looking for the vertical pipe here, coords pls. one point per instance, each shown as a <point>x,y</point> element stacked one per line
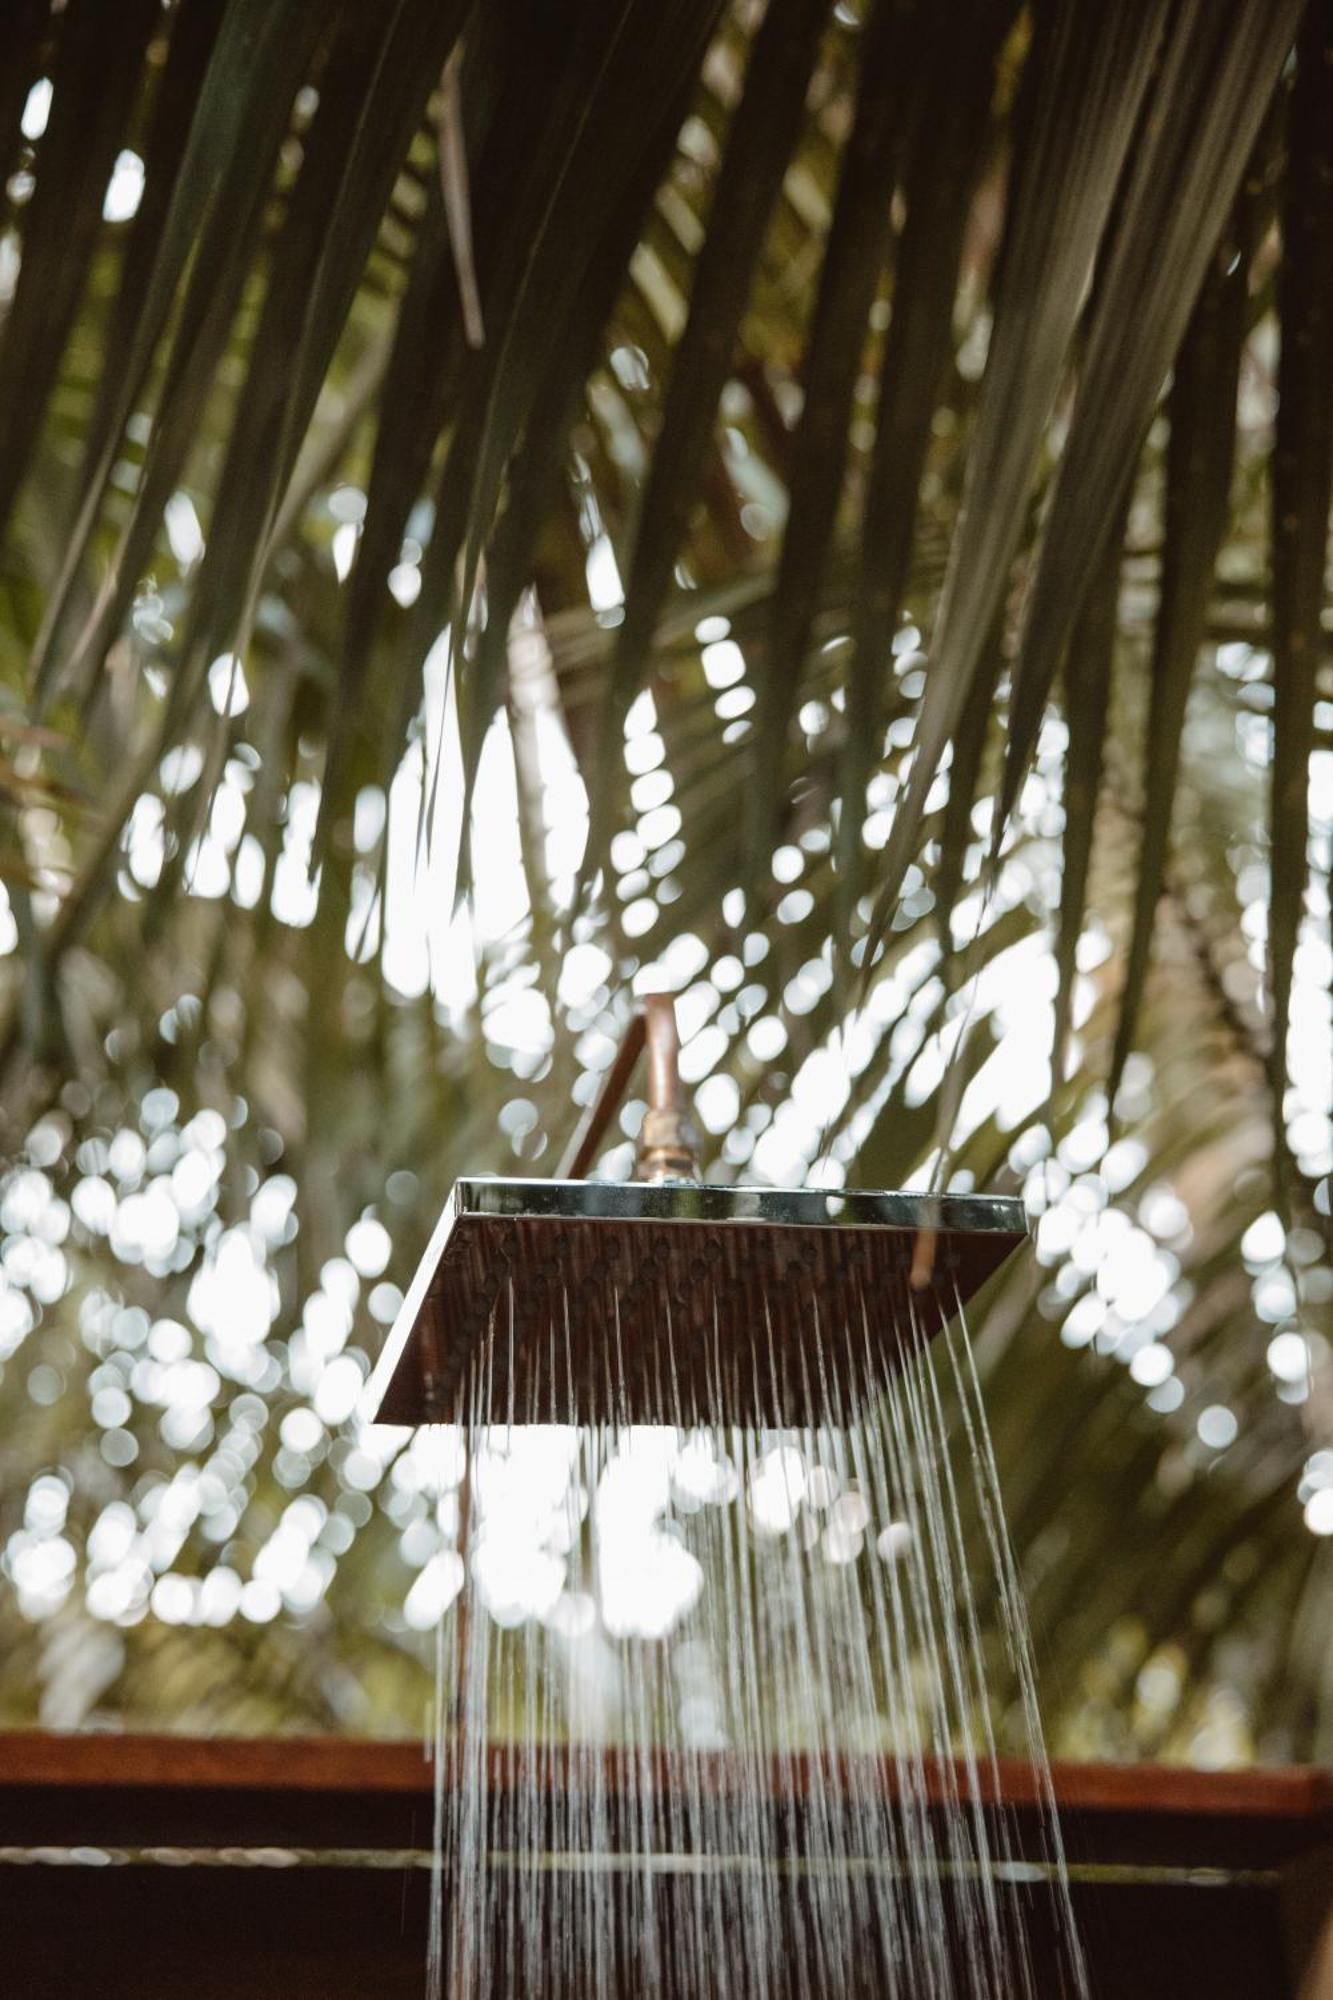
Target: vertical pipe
<point>666,1139</point>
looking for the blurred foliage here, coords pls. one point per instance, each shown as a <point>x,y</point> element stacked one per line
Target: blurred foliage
<point>410,409</point>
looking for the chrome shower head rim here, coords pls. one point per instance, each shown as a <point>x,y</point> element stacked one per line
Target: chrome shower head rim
<point>495,1230</point>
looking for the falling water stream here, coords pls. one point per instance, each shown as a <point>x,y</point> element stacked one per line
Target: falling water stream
<point>714,1707</point>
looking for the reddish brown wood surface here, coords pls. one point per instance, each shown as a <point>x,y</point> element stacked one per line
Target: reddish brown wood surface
<point>335,1764</point>
<point>331,1930</point>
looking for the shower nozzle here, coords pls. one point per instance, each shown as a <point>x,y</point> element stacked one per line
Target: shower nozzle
<point>586,1301</point>
<point>668,1301</point>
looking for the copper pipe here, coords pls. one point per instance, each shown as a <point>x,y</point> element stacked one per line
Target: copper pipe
<point>666,1149</point>
<point>666,1138</point>
<point>664,1088</point>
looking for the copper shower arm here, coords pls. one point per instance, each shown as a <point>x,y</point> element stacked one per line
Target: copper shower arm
<point>666,1140</point>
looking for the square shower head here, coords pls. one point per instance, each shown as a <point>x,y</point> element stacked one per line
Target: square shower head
<point>589,1301</point>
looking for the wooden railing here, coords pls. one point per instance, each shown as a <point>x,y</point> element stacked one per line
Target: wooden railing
<point>1186,1881</point>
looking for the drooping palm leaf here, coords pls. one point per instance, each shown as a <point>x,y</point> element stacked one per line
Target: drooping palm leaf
<point>26,26</point>
<point>1084,86</point>
<point>623,92</point>
<point>1201,411</point>
<point>1218,74</point>
<point>1088,669</point>
<point>189,51</point>
<point>895,48</point>
<point>283,314</point>
<point>216,206</point>
<point>542,456</point>
<point>938,190</point>
<point>379,75</point>
<point>1302,482</point>
<point>762,135</point>
<point>94,82</point>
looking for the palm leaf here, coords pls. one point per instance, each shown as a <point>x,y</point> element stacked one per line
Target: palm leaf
<point>760,140</point>
<point>189,51</point>
<point>1087,673</point>
<point>1219,69</point>
<point>1083,87</point>
<point>1302,487</point>
<point>287,296</point>
<point>93,88</point>
<point>969,749</point>
<point>1202,414</point>
<point>542,456</point>
<point>858,240</point>
<point>506,78</point>
<point>26,27</point>
<point>938,190</point>
<point>635,58</point>
<point>241,118</point>
<point>352,157</point>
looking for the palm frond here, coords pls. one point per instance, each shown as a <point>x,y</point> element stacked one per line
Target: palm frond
<point>281,165</point>
<point>1302,485</point>
<point>872,442</point>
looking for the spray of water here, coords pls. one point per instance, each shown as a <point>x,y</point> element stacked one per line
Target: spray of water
<point>716,1710</point>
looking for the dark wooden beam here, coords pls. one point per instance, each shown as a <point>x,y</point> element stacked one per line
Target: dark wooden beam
<point>327,1792</point>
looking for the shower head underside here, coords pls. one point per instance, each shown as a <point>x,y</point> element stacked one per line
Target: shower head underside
<point>596,1302</point>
